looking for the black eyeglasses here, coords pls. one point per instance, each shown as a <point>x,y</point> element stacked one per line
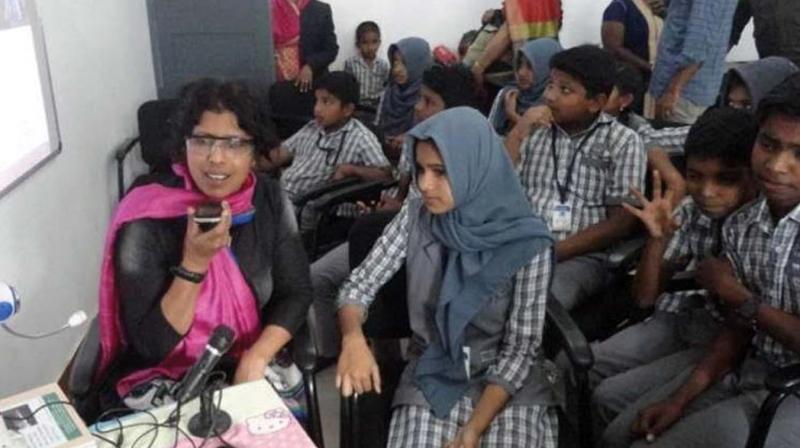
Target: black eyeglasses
<point>332,151</point>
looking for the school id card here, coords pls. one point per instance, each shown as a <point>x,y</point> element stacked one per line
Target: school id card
<point>561,220</point>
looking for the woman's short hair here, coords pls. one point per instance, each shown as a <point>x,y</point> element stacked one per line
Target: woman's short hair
<point>252,113</point>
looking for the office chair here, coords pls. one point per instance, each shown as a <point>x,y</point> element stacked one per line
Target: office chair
<point>781,384</point>
<point>81,382</point>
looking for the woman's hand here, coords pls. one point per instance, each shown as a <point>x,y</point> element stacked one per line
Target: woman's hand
<point>305,79</point>
<point>510,103</point>
<point>465,438</point>
<point>200,247</point>
<point>357,371</point>
<point>251,368</point>
<point>656,215</point>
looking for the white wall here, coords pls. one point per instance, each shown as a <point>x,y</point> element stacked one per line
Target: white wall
<point>444,21</point>
<point>52,225</point>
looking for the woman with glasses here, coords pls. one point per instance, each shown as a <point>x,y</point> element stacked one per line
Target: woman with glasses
<point>167,282</point>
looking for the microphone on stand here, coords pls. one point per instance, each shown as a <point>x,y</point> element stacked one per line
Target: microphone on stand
<point>209,420</point>
<point>194,381</point>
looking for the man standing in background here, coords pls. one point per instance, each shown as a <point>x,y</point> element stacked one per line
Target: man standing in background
<point>777,27</point>
<point>691,58</point>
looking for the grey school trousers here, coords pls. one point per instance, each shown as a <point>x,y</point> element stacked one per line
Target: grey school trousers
<point>579,278</point>
<point>641,358</point>
<point>720,417</point>
<point>327,275</point>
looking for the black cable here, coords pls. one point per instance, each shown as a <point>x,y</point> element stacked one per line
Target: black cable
<point>37,410</point>
<point>219,405</point>
<point>121,428</point>
<point>172,420</point>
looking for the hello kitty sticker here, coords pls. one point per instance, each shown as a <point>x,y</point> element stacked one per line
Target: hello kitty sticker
<point>275,428</point>
<point>268,423</point>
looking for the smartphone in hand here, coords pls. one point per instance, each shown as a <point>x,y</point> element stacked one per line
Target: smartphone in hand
<point>208,215</point>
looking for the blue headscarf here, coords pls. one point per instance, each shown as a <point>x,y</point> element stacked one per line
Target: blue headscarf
<point>397,109</point>
<point>538,53</point>
<point>489,235</point>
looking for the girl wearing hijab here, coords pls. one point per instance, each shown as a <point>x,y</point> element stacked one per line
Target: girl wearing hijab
<point>409,58</point>
<point>532,73</point>
<point>745,85</point>
<point>479,265</point>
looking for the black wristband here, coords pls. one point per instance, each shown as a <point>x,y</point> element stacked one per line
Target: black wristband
<point>185,274</point>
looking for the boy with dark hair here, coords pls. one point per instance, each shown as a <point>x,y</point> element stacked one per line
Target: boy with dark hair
<point>332,146</point>
<point>371,71</point>
<point>648,354</point>
<point>578,171</point>
<point>714,403</point>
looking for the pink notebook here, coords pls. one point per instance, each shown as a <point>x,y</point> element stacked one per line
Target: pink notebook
<point>275,428</point>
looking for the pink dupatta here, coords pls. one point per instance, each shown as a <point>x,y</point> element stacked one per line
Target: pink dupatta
<point>224,298</point>
<point>286,37</point>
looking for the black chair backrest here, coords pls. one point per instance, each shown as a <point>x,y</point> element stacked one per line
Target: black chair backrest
<point>388,314</point>
<point>154,128</point>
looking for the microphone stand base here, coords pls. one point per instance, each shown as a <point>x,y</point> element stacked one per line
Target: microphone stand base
<point>204,425</point>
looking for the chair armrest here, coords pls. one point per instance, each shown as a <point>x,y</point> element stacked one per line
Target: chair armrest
<point>683,281</point>
<point>325,189</point>
<point>304,350</point>
<point>85,362</point>
<point>125,149</point>
<point>119,155</point>
<point>574,343</point>
<point>625,253</point>
<point>786,379</point>
<point>351,193</point>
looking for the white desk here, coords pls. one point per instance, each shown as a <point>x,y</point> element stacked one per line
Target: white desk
<point>260,420</point>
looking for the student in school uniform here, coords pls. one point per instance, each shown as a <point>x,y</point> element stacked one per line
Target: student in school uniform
<point>332,146</point>
<point>650,353</point>
<point>531,74</point>
<point>371,71</point>
<point>578,171</point>
<point>714,403</point>
<point>409,58</point>
<point>478,262</point>
<point>745,85</point>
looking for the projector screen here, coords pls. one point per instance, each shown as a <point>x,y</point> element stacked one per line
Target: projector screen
<point>28,126</point>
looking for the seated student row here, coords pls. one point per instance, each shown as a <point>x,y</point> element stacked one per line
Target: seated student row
<point>737,201</point>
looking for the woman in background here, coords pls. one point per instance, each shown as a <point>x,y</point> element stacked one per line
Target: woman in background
<point>304,40</point>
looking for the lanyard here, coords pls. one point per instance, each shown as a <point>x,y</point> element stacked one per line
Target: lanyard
<point>328,151</point>
<point>563,190</point>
